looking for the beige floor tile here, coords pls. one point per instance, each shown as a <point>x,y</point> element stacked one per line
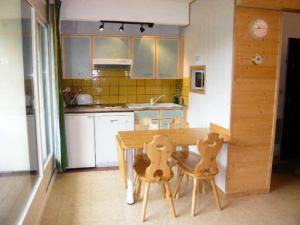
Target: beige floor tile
<point>98,198</point>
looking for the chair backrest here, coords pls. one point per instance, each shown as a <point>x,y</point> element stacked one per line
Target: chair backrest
<point>208,149</point>
<point>159,152</point>
<point>178,122</point>
<point>147,124</point>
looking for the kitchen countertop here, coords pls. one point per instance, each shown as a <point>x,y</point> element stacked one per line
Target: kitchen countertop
<point>111,108</point>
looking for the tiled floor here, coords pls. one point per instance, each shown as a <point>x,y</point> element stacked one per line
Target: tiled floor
<point>97,197</point>
<point>14,192</point>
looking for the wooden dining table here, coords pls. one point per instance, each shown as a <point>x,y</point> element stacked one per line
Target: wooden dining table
<point>127,141</point>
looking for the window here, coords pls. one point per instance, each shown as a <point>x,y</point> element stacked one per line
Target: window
<point>45,92</point>
<point>19,166</point>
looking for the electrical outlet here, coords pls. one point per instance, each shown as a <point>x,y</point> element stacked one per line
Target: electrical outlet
<point>197,59</point>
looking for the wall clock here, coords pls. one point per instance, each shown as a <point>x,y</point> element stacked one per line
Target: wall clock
<point>259,29</point>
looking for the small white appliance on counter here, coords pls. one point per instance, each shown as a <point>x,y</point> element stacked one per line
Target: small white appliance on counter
<point>84,99</point>
<point>107,125</point>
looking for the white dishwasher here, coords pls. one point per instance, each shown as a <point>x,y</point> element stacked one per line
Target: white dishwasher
<point>107,125</point>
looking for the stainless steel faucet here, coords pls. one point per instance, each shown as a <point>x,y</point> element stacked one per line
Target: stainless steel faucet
<point>154,100</point>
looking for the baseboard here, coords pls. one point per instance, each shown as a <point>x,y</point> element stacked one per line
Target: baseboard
<point>229,195</point>
<point>91,169</point>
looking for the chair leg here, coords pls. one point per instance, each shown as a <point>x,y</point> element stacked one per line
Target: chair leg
<point>138,190</point>
<point>214,187</point>
<point>170,198</point>
<point>177,188</point>
<point>194,196</point>
<point>203,187</point>
<point>163,188</point>
<point>145,201</point>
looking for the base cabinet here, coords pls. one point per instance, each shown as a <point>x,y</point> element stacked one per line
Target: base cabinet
<point>91,138</point>
<point>163,117</point>
<point>80,140</point>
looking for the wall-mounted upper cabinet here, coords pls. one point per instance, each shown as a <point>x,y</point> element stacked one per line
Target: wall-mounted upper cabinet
<point>76,56</point>
<point>167,55</point>
<point>111,47</point>
<point>144,58</point>
<point>153,57</point>
<point>156,58</point>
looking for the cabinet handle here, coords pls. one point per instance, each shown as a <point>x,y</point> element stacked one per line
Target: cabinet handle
<point>113,121</point>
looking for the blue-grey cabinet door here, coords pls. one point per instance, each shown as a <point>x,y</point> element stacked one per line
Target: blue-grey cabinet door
<point>154,115</point>
<point>111,47</point>
<point>167,117</point>
<point>167,58</point>
<point>143,57</point>
<point>76,56</point>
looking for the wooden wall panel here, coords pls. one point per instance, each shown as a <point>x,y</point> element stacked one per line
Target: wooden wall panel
<point>271,4</point>
<point>254,98</point>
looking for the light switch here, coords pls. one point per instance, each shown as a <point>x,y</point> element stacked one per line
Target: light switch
<point>197,59</point>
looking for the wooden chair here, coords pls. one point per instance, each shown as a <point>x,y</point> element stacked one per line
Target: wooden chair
<point>145,124</point>
<point>159,152</point>
<point>178,122</point>
<point>181,151</point>
<point>202,168</point>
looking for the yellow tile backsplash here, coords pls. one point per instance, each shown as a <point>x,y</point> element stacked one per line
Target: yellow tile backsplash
<point>186,90</point>
<point>112,88</point>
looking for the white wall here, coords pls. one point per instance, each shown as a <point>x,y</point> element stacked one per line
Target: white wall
<point>210,36</point>
<point>157,11</point>
<point>14,153</point>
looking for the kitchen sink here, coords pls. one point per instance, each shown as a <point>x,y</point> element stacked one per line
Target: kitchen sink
<point>153,106</point>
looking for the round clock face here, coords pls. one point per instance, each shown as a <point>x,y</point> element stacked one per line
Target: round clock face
<point>259,28</point>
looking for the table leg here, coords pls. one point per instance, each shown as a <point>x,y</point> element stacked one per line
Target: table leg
<point>130,176</point>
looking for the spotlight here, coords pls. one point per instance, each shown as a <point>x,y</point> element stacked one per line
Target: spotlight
<point>121,29</point>
<point>142,29</point>
<point>101,27</point>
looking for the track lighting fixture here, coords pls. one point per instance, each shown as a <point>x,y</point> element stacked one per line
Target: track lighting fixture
<point>142,29</point>
<point>121,29</point>
<point>101,27</point>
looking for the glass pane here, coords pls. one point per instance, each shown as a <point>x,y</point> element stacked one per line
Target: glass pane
<point>112,48</point>
<point>46,93</point>
<point>144,57</point>
<point>18,139</point>
<point>167,58</point>
<point>77,61</point>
